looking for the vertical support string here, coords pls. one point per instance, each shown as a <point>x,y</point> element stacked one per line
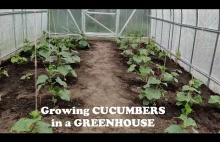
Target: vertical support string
<point>35,59</point>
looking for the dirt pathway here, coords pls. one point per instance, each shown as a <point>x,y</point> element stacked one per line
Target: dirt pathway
<point>100,84</point>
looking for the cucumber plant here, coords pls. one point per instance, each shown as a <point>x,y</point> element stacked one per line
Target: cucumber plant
<point>152,47</point>
<point>52,80</point>
<point>189,96</point>
<point>187,122</point>
<point>214,99</point>
<point>17,59</point>
<point>26,76</point>
<point>153,90</point>
<point>32,125</point>
<point>141,60</point>
<point>61,55</point>
<point>178,55</point>
<point>82,41</point>
<point>3,73</point>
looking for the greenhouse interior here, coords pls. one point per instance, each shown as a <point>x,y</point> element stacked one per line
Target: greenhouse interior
<point>109,71</point>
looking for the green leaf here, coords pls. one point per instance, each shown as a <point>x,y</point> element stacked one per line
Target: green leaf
<point>134,45</point>
<point>165,84</point>
<point>43,127</point>
<point>144,71</point>
<point>167,77</point>
<point>55,90</point>
<point>65,94</point>
<point>14,60</point>
<point>5,73</point>
<point>23,77</point>
<point>137,58</point>
<point>145,59</point>
<point>41,79</point>
<point>152,94</point>
<point>73,73</point>
<point>23,125</point>
<point>142,95</point>
<point>44,53</point>
<point>214,99</point>
<point>175,129</point>
<point>35,114</point>
<point>76,59</point>
<point>83,43</point>
<point>65,54</point>
<point>39,87</point>
<point>131,68</point>
<point>194,130</point>
<point>29,74</point>
<point>143,52</point>
<point>186,88</point>
<point>178,103</point>
<point>174,74</point>
<point>153,80</point>
<point>58,80</point>
<point>196,83</point>
<point>145,102</point>
<point>176,80</point>
<point>162,54</point>
<point>129,62</point>
<point>187,121</point>
<point>197,99</point>
<point>187,110</point>
<point>64,70</point>
<point>127,53</point>
<point>177,70</point>
<point>181,96</point>
<point>27,48</point>
<point>51,59</point>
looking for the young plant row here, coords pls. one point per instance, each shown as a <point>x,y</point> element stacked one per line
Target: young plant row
<point>57,55</point>
<point>139,61</point>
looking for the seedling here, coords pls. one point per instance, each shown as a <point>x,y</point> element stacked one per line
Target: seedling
<point>27,76</point>
<point>178,55</point>
<point>189,96</point>
<point>17,59</point>
<point>152,48</point>
<point>3,73</point>
<point>142,60</point>
<point>186,122</point>
<point>32,125</point>
<point>52,79</point>
<point>162,54</point>
<point>82,41</point>
<point>215,99</point>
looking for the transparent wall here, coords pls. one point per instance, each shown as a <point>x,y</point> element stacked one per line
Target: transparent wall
<point>17,25</point>
<point>196,34</point>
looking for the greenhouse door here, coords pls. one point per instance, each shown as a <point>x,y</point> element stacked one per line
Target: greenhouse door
<point>100,22</point>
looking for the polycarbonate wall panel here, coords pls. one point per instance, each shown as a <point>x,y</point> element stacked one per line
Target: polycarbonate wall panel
<point>165,35</point>
<point>158,31</point>
<point>186,43</point>
<point>153,26</point>
<point>7,40</point>
<point>140,21</point>
<point>17,25</point>
<point>194,32</point>
<point>208,18</point>
<point>175,38</point>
